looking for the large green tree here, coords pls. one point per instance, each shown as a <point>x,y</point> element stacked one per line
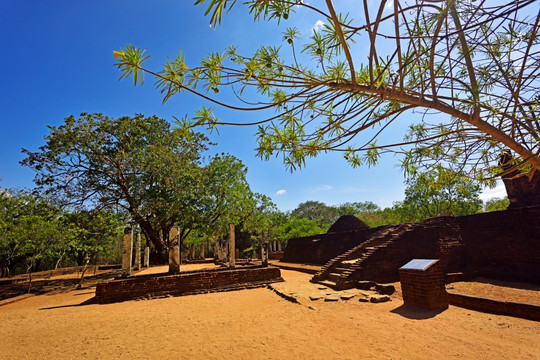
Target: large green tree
<point>141,165</point>
<point>468,68</point>
<point>439,193</point>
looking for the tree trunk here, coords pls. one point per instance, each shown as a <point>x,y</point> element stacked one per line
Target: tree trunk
<point>151,234</point>
<point>87,261</point>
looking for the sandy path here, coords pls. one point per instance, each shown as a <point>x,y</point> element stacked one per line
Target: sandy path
<point>255,324</point>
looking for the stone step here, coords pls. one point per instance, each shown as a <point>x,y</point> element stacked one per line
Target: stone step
<point>342,269</point>
<point>334,277</point>
<point>330,284</point>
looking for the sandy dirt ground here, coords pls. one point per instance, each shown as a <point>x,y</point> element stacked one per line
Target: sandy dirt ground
<point>255,324</point>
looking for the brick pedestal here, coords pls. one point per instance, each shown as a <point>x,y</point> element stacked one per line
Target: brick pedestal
<point>422,284</point>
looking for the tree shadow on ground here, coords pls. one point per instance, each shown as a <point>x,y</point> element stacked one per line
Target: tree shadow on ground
<point>415,312</point>
<point>90,301</point>
<point>53,286</point>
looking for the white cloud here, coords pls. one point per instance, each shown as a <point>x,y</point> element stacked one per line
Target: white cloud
<point>390,4</point>
<point>318,26</point>
<point>281,192</point>
<point>498,191</point>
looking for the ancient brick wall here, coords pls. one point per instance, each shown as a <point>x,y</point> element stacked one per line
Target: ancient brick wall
<point>525,311</point>
<point>502,245</point>
<point>184,283</point>
<point>319,249</point>
<point>278,255</point>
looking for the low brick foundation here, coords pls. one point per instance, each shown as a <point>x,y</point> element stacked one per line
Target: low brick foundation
<point>277,255</point>
<point>525,311</point>
<point>185,283</point>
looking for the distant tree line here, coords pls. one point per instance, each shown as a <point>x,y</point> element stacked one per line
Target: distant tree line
<point>427,195</point>
<point>37,235</point>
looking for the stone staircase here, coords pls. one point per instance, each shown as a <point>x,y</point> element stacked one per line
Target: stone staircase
<point>336,274</point>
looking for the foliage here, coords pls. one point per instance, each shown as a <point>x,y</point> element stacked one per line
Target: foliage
<point>496,204</point>
<point>436,193</point>
<point>316,211</point>
<point>96,232</point>
<point>140,165</point>
<point>470,68</point>
<point>35,235</point>
<point>298,227</point>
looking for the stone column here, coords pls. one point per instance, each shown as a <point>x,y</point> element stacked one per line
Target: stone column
<point>201,252</point>
<point>174,251</point>
<point>264,254</point>
<point>137,265</point>
<point>128,251</point>
<point>231,246</point>
<point>146,262</point>
<point>279,245</point>
<point>224,251</point>
<point>216,252</point>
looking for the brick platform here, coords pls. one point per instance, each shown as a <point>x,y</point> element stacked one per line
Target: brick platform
<point>185,283</point>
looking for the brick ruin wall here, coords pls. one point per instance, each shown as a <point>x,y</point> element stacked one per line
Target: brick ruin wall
<point>503,245</point>
<point>319,249</point>
<point>185,283</point>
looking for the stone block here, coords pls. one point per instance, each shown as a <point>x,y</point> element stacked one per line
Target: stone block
<point>379,298</point>
<point>365,285</point>
<point>385,289</point>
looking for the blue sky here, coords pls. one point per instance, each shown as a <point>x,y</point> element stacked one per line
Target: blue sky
<point>57,61</point>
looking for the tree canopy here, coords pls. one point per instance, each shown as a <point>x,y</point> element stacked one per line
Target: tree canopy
<point>439,193</point>
<point>140,165</point>
<point>469,69</point>
<point>36,235</point>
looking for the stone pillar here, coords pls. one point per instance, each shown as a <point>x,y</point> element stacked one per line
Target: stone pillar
<point>137,264</point>
<point>174,251</point>
<point>279,245</point>
<point>128,251</point>
<point>264,254</point>
<point>201,252</point>
<point>146,262</point>
<point>217,250</point>
<point>231,246</point>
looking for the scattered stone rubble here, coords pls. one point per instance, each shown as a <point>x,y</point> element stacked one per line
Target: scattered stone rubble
<point>306,293</point>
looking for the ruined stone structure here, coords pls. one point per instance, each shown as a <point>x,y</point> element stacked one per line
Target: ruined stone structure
<point>347,223</point>
<point>174,250</point>
<point>146,262</point>
<point>522,189</point>
<point>137,264</point>
<point>127,254</point>
<point>501,245</point>
<point>232,247</point>
<point>186,283</point>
